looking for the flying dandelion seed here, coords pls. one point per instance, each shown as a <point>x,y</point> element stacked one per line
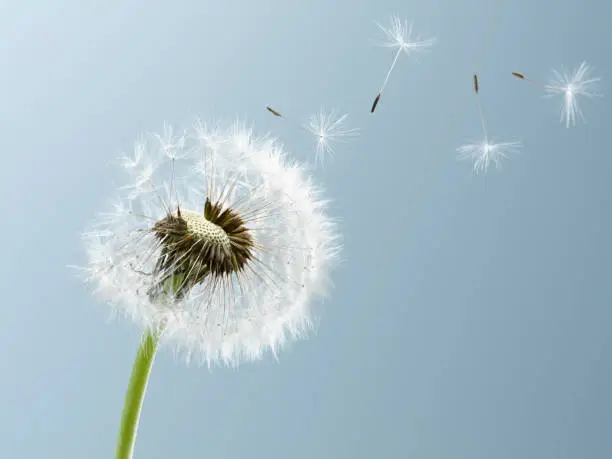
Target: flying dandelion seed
<point>327,128</point>
<point>570,85</point>
<point>274,112</point>
<point>484,153</point>
<point>399,35</point>
<point>225,259</point>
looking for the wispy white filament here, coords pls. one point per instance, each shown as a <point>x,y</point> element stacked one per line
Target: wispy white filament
<point>571,86</point>
<point>486,153</point>
<point>328,129</point>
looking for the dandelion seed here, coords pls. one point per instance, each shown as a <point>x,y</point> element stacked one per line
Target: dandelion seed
<point>278,115</point>
<point>274,112</point>
<point>225,260</point>
<point>399,35</point>
<point>570,85</point>
<point>327,129</point>
<point>375,103</point>
<point>484,153</point>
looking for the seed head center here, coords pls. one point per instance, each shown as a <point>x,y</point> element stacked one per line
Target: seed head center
<point>196,247</point>
<point>205,231</point>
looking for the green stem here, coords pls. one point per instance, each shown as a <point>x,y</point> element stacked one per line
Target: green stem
<point>135,395</point>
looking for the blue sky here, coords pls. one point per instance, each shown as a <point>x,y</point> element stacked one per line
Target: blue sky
<point>471,318</point>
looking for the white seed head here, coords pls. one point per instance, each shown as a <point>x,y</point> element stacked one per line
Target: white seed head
<point>218,240</point>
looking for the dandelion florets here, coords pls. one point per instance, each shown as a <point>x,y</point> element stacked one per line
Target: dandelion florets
<point>222,245</point>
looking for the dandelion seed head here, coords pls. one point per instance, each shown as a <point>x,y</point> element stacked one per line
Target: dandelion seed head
<point>572,85</point>
<point>226,255</point>
<point>485,153</point>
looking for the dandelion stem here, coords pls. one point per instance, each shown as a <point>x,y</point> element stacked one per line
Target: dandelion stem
<point>135,395</point>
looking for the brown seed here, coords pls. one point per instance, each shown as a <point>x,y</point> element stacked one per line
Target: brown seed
<point>518,75</point>
<point>375,103</point>
<point>274,112</point>
<point>476,83</point>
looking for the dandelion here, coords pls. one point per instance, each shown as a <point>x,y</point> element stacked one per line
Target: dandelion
<point>327,129</point>
<point>570,85</point>
<point>484,153</point>
<point>399,35</point>
<point>219,254</point>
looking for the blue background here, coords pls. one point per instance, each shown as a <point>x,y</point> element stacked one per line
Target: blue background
<point>471,318</point>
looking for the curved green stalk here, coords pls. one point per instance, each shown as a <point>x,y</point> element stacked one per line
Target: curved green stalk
<point>135,395</point>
